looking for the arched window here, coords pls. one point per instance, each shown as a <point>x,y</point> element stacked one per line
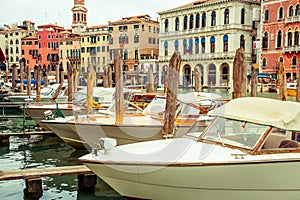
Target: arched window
<point>290,38</point>
<point>203,21</point>
<point>191,21</point>
<point>17,41</point>
<point>297,10</point>
<point>203,45</point>
<point>281,59</point>
<point>74,17</point>
<point>196,45</point>
<point>136,54</point>
<point>166,25</point>
<point>197,25</point>
<point>185,21</point>
<point>213,18</point>
<point>243,16</point>
<point>212,44</point>
<point>177,24</point>
<point>242,41</point>
<point>296,37</point>
<point>265,40</point>
<point>264,62</point>
<point>190,46</point>
<point>225,43</point>
<point>125,54</point>
<point>17,50</point>
<point>226,16</point>
<point>266,18</point>
<point>279,38</point>
<point>291,11</point>
<point>166,48</point>
<point>280,13</point>
<point>136,38</point>
<point>11,42</point>
<point>176,44</point>
<point>185,44</point>
<point>294,61</point>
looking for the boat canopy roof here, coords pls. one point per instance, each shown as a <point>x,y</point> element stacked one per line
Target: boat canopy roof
<point>281,114</point>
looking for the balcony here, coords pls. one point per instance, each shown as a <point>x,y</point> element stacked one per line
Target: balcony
<point>292,19</point>
<point>290,49</point>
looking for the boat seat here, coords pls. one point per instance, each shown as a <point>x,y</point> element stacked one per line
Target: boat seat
<point>289,144</point>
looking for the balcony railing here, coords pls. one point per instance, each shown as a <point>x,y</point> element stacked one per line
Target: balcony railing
<point>289,49</point>
<point>292,19</point>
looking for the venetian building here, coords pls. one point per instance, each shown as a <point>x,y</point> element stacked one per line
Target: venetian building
<point>280,37</point>
<point>69,50</point>
<point>79,16</point>
<point>207,33</point>
<point>13,45</point>
<point>136,39</point>
<point>94,48</point>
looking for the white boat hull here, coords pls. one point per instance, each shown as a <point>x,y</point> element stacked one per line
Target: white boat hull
<point>65,133</point>
<point>124,134</point>
<point>36,112</point>
<point>268,181</point>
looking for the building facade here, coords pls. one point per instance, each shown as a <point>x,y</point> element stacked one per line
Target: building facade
<point>135,39</point>
<point>69,50</point>
<point>207,34</point>
<point>94,48</point>
<point>30,50</point>
<point>49,36</point>
<point>280,37</point>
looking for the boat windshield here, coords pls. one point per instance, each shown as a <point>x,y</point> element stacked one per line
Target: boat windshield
<point>234,133</point>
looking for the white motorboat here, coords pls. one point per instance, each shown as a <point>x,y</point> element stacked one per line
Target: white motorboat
<point>102,98</point>
<point>46,94</point>
<point>247,152</point>
<point>144,126</point>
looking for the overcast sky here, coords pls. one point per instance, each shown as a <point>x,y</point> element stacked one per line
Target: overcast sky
<point>99,11</point>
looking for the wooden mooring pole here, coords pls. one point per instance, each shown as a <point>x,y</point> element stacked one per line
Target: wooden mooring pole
<point>239,74</point>
<point>282,82</point>
<point>118,64</point>
<point>172,92</point>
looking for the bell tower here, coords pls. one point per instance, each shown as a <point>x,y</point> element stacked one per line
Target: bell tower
<point>79,12</point>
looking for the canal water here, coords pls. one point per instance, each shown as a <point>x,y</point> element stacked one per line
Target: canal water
<point>50,151</point>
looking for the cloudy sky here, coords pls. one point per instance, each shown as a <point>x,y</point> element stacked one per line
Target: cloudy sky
<point>99,11</point>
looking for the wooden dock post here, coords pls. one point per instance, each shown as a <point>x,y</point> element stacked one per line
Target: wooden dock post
<point>14,76</point>
<point>4,140</point>
<point>282,82</point>
<point>33,188</point>
<point>253,91</point>
<point>172,92</point>
<point>198,83</point>
<point>86,182</point>
<point>38,84</point>
<point>22,66</point>
<point>45,75</point>
<point>119,97</point>
<point>150,81</point>
<point>70,75</point>
<point>90,87</point>
<point>239,74</point>
<point>28,81</point>
<point>57,73</point>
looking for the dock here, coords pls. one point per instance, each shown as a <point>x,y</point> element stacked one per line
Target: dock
<point>33,173</point>
<point>32,176</point>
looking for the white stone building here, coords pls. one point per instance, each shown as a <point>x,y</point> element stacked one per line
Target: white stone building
<point>207,34</point>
